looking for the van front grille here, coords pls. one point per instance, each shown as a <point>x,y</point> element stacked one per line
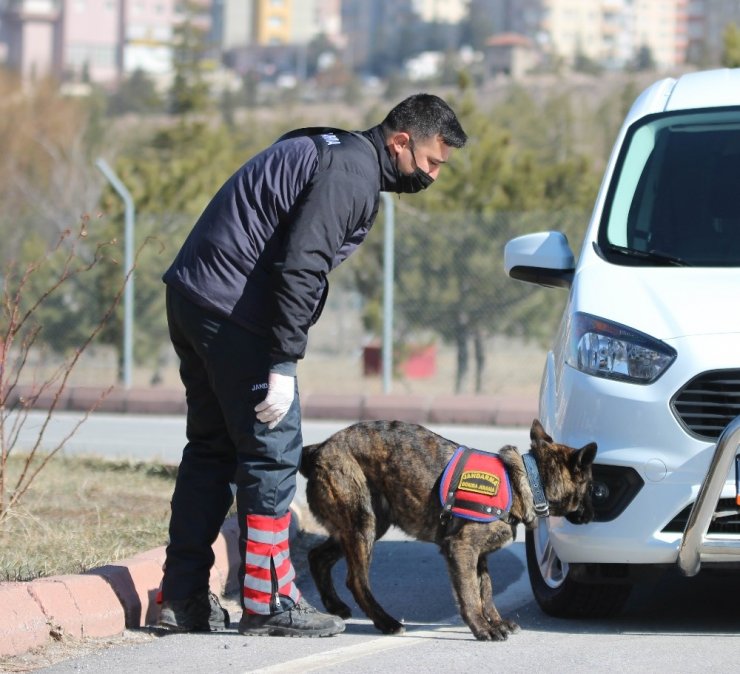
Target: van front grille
<point>709,402</point>
<point>726,519</point>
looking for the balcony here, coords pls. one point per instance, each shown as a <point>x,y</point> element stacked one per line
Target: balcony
<point>22,10</point>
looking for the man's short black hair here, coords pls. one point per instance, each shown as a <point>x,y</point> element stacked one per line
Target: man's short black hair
<point>425,116</point>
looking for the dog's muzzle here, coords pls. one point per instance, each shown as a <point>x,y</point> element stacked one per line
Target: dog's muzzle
<point>584,514</point>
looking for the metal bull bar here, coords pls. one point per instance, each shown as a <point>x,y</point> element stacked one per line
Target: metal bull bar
<point>695,544</point>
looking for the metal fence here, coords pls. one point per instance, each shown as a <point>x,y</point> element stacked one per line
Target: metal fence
<point>459,324</point>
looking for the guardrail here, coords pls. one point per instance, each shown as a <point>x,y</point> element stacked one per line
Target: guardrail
<point>696,544</point>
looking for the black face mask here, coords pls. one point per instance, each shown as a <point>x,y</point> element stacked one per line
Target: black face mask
<point>414,182</point>
<point>417,181</point>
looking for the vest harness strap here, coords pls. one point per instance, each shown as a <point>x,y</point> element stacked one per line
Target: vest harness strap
<point>475,486</point>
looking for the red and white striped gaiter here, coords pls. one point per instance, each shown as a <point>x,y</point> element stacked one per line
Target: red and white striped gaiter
<point>269,572</point>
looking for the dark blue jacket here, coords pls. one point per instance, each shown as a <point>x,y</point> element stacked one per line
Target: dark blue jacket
<point>260,252</point>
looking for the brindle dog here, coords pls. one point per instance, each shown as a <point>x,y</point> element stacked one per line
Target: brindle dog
<point>372,475</point>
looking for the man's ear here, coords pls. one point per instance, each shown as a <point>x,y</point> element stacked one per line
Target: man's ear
<point>399,141</point>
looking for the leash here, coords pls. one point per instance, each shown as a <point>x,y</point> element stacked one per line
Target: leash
<point>541,506</point>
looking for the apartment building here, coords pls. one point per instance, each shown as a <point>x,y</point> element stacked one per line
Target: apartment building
<point>147,28</point>
<point>273,21</point>
<point>271,36</point>
<point>245,23</point>
<point>441,11</point>
<point>87,52</point>
<point>611,32</point>
<point>377,33</point>
<point>103,40</point>
<point>95,40</point>
<point>30,34</point>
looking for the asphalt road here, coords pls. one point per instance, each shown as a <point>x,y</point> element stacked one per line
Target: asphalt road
<point>161,438</point>
<point>676,624</point>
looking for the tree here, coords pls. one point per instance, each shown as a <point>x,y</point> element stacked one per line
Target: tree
<point>189,93</point>
<point>318,49</point>
<point>47,175</point>
<point>447,283</point>
<point>731,46</point>
<point>609,116</point>
<point>136,94</point>
<point>643,60</point>
<point>583,63</point>
<point>26,289</point>
<point>250,87</point>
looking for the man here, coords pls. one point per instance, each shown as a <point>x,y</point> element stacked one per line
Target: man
<point>242,293</point>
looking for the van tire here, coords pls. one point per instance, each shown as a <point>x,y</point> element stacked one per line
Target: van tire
<point>558,594</point>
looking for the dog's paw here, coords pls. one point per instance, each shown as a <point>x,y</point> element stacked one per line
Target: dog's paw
<point>497,631</point>
<point>391,627</point>
<point>512,626</point>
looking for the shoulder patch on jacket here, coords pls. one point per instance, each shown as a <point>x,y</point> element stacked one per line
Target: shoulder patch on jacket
<point>331,139</point>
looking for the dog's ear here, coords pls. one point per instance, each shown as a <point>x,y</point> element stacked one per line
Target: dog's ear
<point>585,456</point>
<point>537,435</point>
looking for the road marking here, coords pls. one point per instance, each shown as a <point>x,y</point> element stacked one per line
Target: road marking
<point>338,656</point>
<point>509,601</point>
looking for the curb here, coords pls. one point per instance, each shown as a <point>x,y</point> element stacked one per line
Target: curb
<point>102,602</point>
<point>420,409</point>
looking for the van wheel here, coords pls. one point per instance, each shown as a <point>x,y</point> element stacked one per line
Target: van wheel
<point>557,593</point>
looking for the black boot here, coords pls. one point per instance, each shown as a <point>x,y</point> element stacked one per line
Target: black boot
<point>201,613</point>
<point>300,620</point>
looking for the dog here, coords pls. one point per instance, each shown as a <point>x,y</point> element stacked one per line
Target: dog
<point>375,474</point>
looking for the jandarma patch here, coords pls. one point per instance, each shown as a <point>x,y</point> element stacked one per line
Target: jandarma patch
<point>480,482</point>
<point>475,485</point>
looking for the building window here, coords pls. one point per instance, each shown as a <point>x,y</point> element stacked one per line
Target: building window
<point>81,55</point>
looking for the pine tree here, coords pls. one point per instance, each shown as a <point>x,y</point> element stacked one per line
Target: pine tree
<point>189,93</point>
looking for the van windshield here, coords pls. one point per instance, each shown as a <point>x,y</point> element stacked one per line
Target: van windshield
<point>675,196</point>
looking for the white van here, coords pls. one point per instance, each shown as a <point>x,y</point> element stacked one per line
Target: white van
<point>646,361</point>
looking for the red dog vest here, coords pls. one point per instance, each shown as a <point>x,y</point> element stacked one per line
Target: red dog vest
<point>475,485</point>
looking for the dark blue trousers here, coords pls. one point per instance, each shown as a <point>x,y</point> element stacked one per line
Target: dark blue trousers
<point>224,369</point>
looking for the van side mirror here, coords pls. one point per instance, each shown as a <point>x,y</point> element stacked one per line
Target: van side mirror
<point>544,258</point>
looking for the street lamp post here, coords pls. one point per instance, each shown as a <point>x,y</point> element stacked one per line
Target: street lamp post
<point>388,262</point>
<point>128,292</point>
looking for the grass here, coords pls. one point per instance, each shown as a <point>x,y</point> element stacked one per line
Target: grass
<point>81,513</point>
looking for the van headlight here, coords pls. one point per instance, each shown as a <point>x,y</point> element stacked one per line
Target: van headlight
<point>613,351</point>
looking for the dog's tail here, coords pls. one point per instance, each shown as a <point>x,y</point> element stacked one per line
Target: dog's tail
<point>308,459</point>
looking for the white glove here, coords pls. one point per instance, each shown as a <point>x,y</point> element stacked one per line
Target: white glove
<point>280,394</point>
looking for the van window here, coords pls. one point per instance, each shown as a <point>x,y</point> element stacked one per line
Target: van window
<point>675,195</point>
